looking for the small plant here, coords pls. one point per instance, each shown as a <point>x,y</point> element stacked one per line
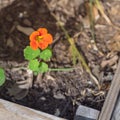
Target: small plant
<point>2,77</point>
<point>38,53</point>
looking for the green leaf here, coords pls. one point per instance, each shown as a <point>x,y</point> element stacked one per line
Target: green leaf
<point>46,54</point>
<point>2,77</point>
<point>33,65</point>
<point>43,67</point>
<point>30,54</point>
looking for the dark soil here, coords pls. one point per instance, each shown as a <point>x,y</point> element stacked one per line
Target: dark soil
<point>58,93</point>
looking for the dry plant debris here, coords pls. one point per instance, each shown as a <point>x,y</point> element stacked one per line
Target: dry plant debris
<point>58,92</point>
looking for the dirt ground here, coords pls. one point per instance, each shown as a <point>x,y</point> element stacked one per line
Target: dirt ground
<point>59,92</point>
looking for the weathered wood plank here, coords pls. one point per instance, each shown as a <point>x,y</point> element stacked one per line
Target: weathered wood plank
<point>116,112</point>
<point>12,111</point>
<point>111,97</point>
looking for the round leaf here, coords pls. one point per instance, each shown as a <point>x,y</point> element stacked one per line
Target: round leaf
<point>30,54</point>
<point>43,67</point>
<point>33,65</point>
<point>2,77</point>
<point>46,54</point>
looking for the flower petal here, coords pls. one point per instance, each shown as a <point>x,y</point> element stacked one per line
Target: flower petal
<point>42,31</point>
<point>43,45</point>
<point>48,38</point>
<point>34,35</point>
<point>33,44</point>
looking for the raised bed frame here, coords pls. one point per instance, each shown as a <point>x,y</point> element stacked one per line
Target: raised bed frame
<point>9,110</point>
<point>12,111</point>
<point>111,99</point>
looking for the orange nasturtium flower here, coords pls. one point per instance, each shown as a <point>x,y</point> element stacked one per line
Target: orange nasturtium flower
<point>40,39</point>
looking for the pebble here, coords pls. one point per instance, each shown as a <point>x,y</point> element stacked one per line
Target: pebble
<point>59,96</point>
<point>43,98</point>
<point>57,112</point>
<point>9,43</point>
<point>26,30</point>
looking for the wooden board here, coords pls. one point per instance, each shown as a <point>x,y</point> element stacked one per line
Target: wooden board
<point>111,98</point>
<point>116,112</point>
<point>12,111</point>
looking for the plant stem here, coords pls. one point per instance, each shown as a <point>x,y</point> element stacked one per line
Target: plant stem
<point>61,69</point>
<point>92,20</point>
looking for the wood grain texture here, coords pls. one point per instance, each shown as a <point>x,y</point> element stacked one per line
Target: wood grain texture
<point>12,111</point>
<point>111,98</point>
<point>116,112</point>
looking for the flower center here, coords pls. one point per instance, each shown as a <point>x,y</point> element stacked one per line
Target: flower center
<point>39,38</point>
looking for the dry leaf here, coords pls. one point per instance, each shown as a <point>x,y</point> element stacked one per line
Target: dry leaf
<point>114,44</point>
<point>109,62</point>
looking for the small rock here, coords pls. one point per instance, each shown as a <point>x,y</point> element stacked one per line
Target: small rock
<point>10,43</point>
<point>20,15</point>
<point>59,96</point>
<point>43,98</point>
<point>57,112</point>
<point>26,30</point>
<point>16,92</point>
